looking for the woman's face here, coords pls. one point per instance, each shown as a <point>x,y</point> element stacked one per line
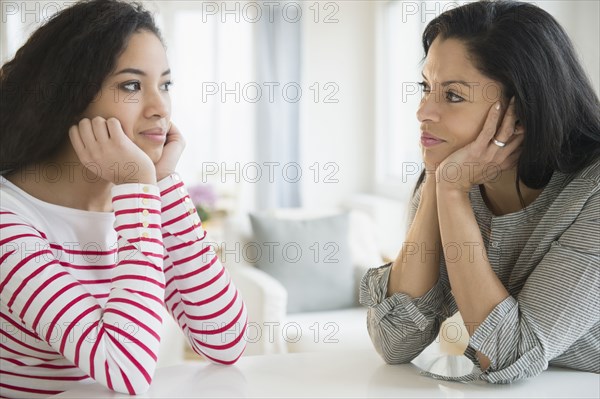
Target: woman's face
<point>456,100</point>
<point>137,94</point>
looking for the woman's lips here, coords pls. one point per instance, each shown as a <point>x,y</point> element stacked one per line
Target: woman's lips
<point>158,135</point>
<point>429,140</point>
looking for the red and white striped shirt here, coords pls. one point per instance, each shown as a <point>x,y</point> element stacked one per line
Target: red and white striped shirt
<point>82,292</point>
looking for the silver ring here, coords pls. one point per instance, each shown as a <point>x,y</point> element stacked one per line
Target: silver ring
<point>499,143</point>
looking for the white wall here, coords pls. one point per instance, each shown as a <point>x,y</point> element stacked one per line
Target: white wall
<point>581,21</point>
<point>339,133</point>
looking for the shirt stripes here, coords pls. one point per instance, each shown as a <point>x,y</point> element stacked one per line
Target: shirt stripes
<point>82,292</point>
<point>548,258</point>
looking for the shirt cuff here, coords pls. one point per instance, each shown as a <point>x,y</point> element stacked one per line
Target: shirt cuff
<point>421,311</point>
<point>179,216</point>
<point>137,215</point>
<point>485,338</point>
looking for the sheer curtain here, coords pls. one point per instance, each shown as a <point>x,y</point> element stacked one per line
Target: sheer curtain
<point>278,60</point>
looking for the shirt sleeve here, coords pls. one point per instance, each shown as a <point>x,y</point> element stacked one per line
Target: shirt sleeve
<point>401,326</point>
<point>116,345</point>
<point>557,305</point>
<point>199,292</point>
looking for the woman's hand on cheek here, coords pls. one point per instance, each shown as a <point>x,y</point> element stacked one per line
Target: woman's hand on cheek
<point>484,159</point>
<point>103,148</point>
<point>172,151</point>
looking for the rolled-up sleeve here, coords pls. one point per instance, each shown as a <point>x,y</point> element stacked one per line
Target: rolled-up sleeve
<point>558,305</point>
<point>400,326</point>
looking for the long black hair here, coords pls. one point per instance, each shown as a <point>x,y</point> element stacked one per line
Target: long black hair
<point>525,49</point>
<point>58,72</point>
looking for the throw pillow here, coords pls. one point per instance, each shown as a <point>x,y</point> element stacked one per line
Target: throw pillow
<point>310,257</point>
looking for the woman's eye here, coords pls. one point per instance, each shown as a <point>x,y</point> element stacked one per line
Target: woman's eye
<point>424,87</point>
<point>167,85</point>
<point>131,86</point>
<point>453,97</point>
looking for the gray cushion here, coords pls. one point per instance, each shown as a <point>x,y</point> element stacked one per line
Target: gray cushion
<point>311,258</point>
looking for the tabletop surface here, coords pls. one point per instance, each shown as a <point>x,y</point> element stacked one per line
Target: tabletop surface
<point>343,375</point>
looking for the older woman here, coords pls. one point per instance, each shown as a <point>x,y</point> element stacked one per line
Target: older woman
<point>506,217</point>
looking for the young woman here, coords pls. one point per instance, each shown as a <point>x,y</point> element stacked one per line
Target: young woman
<point>98,233</point>
<point>506,219</point>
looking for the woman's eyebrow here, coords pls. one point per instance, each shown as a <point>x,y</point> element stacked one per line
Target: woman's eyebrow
<point>449,82</point>
<point>139,72</point>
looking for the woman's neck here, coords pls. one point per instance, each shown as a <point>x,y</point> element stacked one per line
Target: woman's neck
<point>501,196</point>
<point>64,181</point>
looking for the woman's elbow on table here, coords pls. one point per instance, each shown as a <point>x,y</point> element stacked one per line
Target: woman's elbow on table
<point>393,351</point>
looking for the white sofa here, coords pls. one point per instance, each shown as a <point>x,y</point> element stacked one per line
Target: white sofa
<point>270,328</point>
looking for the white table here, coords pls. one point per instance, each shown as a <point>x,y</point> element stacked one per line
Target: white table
<point>345,375</point>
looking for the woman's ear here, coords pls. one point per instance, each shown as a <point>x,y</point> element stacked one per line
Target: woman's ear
<point>519,128</point>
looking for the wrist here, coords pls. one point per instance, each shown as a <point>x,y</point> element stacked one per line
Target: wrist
<point>451,192</point>
<point>151,181</point>
<point>163,174</point>
<point>429,182</point>
<point>147,178</point>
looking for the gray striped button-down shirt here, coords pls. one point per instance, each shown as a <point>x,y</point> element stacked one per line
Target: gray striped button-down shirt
<point>548,258</point>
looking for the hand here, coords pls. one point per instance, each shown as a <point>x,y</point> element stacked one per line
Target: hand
<point>171,153</point>
<point>483,160</point>
<point>430,169</point>
<point>104,148</point>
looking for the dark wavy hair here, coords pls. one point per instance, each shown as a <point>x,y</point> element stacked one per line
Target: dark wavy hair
<point>58,72</point>
<point>526,50</point>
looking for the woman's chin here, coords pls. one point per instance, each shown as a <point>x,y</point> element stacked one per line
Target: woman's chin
<point>433,159</point>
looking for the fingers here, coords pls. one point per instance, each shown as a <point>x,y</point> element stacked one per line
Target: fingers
<point>115,129</point>
<point>489,127</point>
<point>174,135</point>
<point>99,129</point>
<point>173,130</point>
<point>86,133</point>
<point>507,157</point>
<point>76,141</point>
<point>513,143</point>
<point>507,128</point>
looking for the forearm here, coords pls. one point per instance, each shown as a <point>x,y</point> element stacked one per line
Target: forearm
<point>406,299</point>
<point>416,269</point>
<point>476,288</point>
<point>199,291</point>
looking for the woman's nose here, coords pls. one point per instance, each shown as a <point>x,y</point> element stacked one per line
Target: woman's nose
<point>428,108</point>
<point>157,104</point>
